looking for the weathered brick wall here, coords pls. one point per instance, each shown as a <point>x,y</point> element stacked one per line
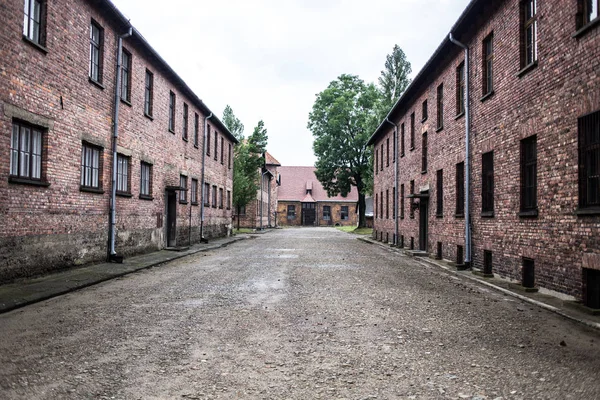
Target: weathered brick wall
<point>545,101</point>
<point>282,218</point>
<point>46,228</point>
<point>335,220</point>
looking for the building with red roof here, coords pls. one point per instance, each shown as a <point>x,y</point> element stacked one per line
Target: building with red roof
<point>302,201</point>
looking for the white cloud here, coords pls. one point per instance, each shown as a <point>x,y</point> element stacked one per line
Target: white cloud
<point>268,58</point>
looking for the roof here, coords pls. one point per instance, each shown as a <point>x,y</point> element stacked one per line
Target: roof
<point>107,7</point>
<point>464,23</point>
<point>270,160</point>
<point>296,180</point>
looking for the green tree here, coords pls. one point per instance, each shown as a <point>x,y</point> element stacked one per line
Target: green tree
<point>394,79</point>
<point>232,123</point>
<point>248,158</point>
<point>342,118</point>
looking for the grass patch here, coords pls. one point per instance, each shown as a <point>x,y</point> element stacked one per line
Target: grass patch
<point>355,230</point>
<point>243,230</point>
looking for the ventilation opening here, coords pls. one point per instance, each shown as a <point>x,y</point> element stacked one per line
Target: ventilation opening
<point>459,255</point>
<point>528,279</point>
<point>412,243</point>
<point>438,254</point>
<point>487,262</point>
<point>592,281</point>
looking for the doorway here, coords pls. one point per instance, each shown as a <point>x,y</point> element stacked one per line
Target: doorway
<point>171,218</point>
<point>423,222</point>
<point>309,214</point>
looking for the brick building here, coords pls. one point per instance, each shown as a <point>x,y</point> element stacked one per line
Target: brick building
<point>302,201</point>
<point>58,101</point>
<point>251,215</point>
<point>529,179</point>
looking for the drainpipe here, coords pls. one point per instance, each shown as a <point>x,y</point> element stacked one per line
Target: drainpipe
<point>112,255</point>
<point>395,180</point>
<point>262,178</point>
<point>467,151</point>
<point>202,200</point>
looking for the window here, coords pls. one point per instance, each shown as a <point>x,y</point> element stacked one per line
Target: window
<point>460,89</point>
<point>221,198</point>
<point>96,52</point>
<point>394,145</point>
<point>381,159</point>
<point>146,180</point>
<point>327,213</point>
<point>402,201</point>
<point>229,199</point>
<point>529,176</point>
<point>424,111</point>
<point>206,194</point>
<point>214,196</point>
<point>412,191</point>
<point>460,189</point>
<point>439,212</point>
<point>381,205</point>
<point>33,21</point>
<point>412,131</point>
<point>376,204</point>
<point>222,147</point>
<point>208,140</point>
<point>589,161</point>
<point>394,202</point>
<point>148,93</point>
<point>242,210</point>
<point>440,106</point>
<point>528,32</point>
<point>185,122</point>
<point>424,153</point>
<point>172,100</point>
<point>126,76</point>
<point>91,167</point>
<point>587,12</point>
<point>216,146</point>
<point>291,211</point>
<point>387,203</point>
<point>488,65</point>
<point>229,156</point>
<point>196,125</point>
<point>376,161</point>
<point>387,151</point>
<point>183,189</point>
<point>344,213</point>
<point>26,148</point>
<point>123,174</point>
<point>402,140</point>
<point>194,192</point>
<point>487,184</point>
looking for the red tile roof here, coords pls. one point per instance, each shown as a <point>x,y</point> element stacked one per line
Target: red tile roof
<point>294,183</point>
<point>270,160</point>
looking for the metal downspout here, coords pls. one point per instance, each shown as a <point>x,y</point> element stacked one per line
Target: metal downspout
<point>203,200</point>
<point>396,228</point>
<point>112,254</point>
<point>467,159</point>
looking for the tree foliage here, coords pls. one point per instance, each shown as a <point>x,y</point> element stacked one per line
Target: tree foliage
<point>394,79</point>
<point>248,158</point>
<point>342,118</point>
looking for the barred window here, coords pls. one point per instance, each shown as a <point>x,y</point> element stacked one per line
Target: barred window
<point>148,93</point>
<point>33,21</point>
<point>122,174</point>
<point>528,32</point>
<point>424,153</point>
<point>91,171</point>
<point>326,213</point>
<point>589,160</point>
<point>440,194</point>
<point>402,140</point>
<point>402,201</point>
<point>460,88</point>
<point>183,189</point>
<point>487,183</point>
<point>460,189</point>
<point>126,76</point>
<point>412,131</point>
<point>220,197</point>
<point>96,51</point>
<point>344,213</point>
<point>291,211</point>
<point>196,125</point>
<point>229,199</point>
<point>194,192</point>
<point>184,132</point>
<point>146,180</point>
<point>214,196</point>
<point>412,191</point>
<point>529,174</point>
<point>440,106</point>
<point>206,194</point>
<point>488,65</point>
<point>172,100</point>
<point>26,151</point>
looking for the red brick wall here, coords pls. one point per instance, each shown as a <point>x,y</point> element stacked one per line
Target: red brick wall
<point>335,214</point>
<point>546,101</point>
<point>46,228</point>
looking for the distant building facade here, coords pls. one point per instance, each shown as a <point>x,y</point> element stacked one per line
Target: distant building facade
<point>59,129</point>
<point>302,201</point>
<point>523,199</point>
<point>261,212</point>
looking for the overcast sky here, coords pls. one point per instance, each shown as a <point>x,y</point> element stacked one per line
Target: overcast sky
<point>268,59</point>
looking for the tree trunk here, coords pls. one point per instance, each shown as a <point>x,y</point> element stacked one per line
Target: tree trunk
<point>362,221</point>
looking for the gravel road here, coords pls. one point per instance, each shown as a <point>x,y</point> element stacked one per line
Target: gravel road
<point>294,314</point>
